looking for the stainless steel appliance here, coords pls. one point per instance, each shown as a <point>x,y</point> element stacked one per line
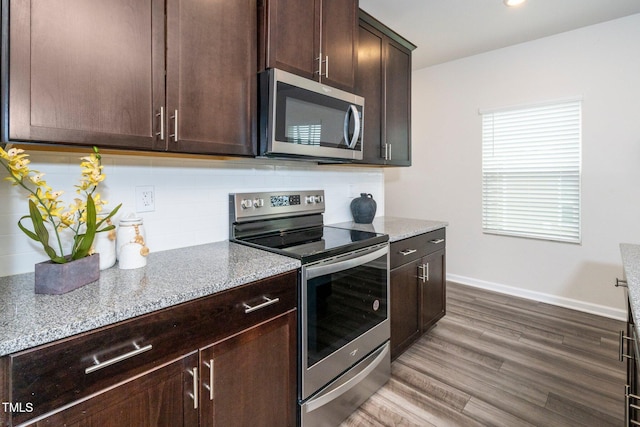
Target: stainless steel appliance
<point>343,314</point>
<point>303,118</point>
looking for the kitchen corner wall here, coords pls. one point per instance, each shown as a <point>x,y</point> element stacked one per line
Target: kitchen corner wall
<point>191,195</point>
<point>599,63</point>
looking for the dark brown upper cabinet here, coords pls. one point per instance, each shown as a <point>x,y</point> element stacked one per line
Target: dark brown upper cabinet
<point>383,78</point>
<point>93,73</point>
<point>316,39</point>
<point>83,72</point>
<point>211,77</point>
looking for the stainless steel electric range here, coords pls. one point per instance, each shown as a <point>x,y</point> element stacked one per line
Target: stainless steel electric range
<point>343,316</point>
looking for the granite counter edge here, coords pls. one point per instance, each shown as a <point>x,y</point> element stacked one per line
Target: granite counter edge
<point>27,341</point>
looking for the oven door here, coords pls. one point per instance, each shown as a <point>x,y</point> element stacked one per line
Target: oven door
<point>344,314</point>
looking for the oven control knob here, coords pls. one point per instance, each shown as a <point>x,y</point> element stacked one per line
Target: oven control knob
<point>309,200</point>
<point>318,199</point>
<point>258,203</point>
<point>246,204</point>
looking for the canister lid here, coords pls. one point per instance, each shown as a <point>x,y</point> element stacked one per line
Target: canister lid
<point>130,219</point>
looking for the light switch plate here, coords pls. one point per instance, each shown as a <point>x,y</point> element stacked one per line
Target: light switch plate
<point>145,199</point>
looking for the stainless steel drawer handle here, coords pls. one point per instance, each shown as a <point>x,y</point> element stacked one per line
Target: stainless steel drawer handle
<point>408,251</point>
<point>175,126</point>
<point>194,395</point>
<point>267,301</point>
<point>436,241</point>
<point>161,115</point>
<point>209,386</point>
<point>99,365</point>
<point>621,283</point>
<point>627,411</point>
<point>425,272</point>
<point>621,339</point>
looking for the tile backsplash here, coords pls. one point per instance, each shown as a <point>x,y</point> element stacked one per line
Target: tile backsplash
<point>191,195</point>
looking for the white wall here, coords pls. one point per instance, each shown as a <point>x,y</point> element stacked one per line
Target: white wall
<point>601,64</point>
<point>192,201</point>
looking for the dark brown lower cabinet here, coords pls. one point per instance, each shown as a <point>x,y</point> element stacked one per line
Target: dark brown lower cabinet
<point>432,290</point>
<point>159,398</point>
<point>405,313</point>
<point>158,369</point>
<point>247,373</point>
<point>628,353</point>
<point>418,287</point>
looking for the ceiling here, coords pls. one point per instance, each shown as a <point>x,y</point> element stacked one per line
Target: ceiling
<point>445,30</point>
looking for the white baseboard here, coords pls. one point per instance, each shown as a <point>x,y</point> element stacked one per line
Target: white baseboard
<point>574,304</point>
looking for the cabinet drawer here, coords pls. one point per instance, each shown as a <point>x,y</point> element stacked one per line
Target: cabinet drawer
<point>59,373</point>
<point>407,250</point>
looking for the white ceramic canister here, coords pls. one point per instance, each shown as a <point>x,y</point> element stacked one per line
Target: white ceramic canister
<point>132,250</point>
<point>105,245</point>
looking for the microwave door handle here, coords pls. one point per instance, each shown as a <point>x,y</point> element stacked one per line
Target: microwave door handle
<point>352,111</point>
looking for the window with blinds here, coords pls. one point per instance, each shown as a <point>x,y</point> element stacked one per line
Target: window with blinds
<point>531,171</point>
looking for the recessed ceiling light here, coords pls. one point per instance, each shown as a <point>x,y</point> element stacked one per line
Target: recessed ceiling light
<point>513,2</point>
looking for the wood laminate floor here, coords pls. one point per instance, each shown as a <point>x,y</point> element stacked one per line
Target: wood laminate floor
<point>497,360</point>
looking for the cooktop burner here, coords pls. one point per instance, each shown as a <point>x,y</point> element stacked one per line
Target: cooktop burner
<point>291,224</point>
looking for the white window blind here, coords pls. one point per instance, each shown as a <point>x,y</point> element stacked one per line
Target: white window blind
<point>531,171</point>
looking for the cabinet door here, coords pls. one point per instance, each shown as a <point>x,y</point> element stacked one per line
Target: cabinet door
<point>298,35</point>
<point>404,303</point>
<point>370,73</point>
<point>339,30</point>
<point>86,72</point>
<point>211,76</point>
<point>253,375</point>
<point>161,397</point>
<point>433,289</point>
<point>397,125</point>
<point>384,79</point>
<point>289,36</point>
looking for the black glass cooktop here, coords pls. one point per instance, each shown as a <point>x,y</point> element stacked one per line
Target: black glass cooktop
<point>315,243</point>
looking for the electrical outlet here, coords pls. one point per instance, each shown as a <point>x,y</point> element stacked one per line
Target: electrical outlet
<point>145,199</point>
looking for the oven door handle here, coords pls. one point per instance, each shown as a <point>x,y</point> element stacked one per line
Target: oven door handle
<point>323,399</point>
<point>335,267</point>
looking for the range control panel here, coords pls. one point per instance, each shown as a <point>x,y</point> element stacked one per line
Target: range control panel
<point>252,206</point>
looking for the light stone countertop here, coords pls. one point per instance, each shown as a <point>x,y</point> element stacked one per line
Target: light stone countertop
<point>170,277</point>
<point>631,264</point>
<point>397,228</point>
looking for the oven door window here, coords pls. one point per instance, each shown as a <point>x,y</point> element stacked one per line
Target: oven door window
<point>343,305</point>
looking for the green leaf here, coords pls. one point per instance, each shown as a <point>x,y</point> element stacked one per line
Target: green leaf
<point>83,242</point>
<point>40,233</point>
<point>26,231</point>
<point>107,228</point>
<point>113,212</point>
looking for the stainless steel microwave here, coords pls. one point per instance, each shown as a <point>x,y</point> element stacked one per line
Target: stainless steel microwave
<point>301,118</point>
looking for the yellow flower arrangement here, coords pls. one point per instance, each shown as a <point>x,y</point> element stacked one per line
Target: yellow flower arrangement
<point>45,205</point>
